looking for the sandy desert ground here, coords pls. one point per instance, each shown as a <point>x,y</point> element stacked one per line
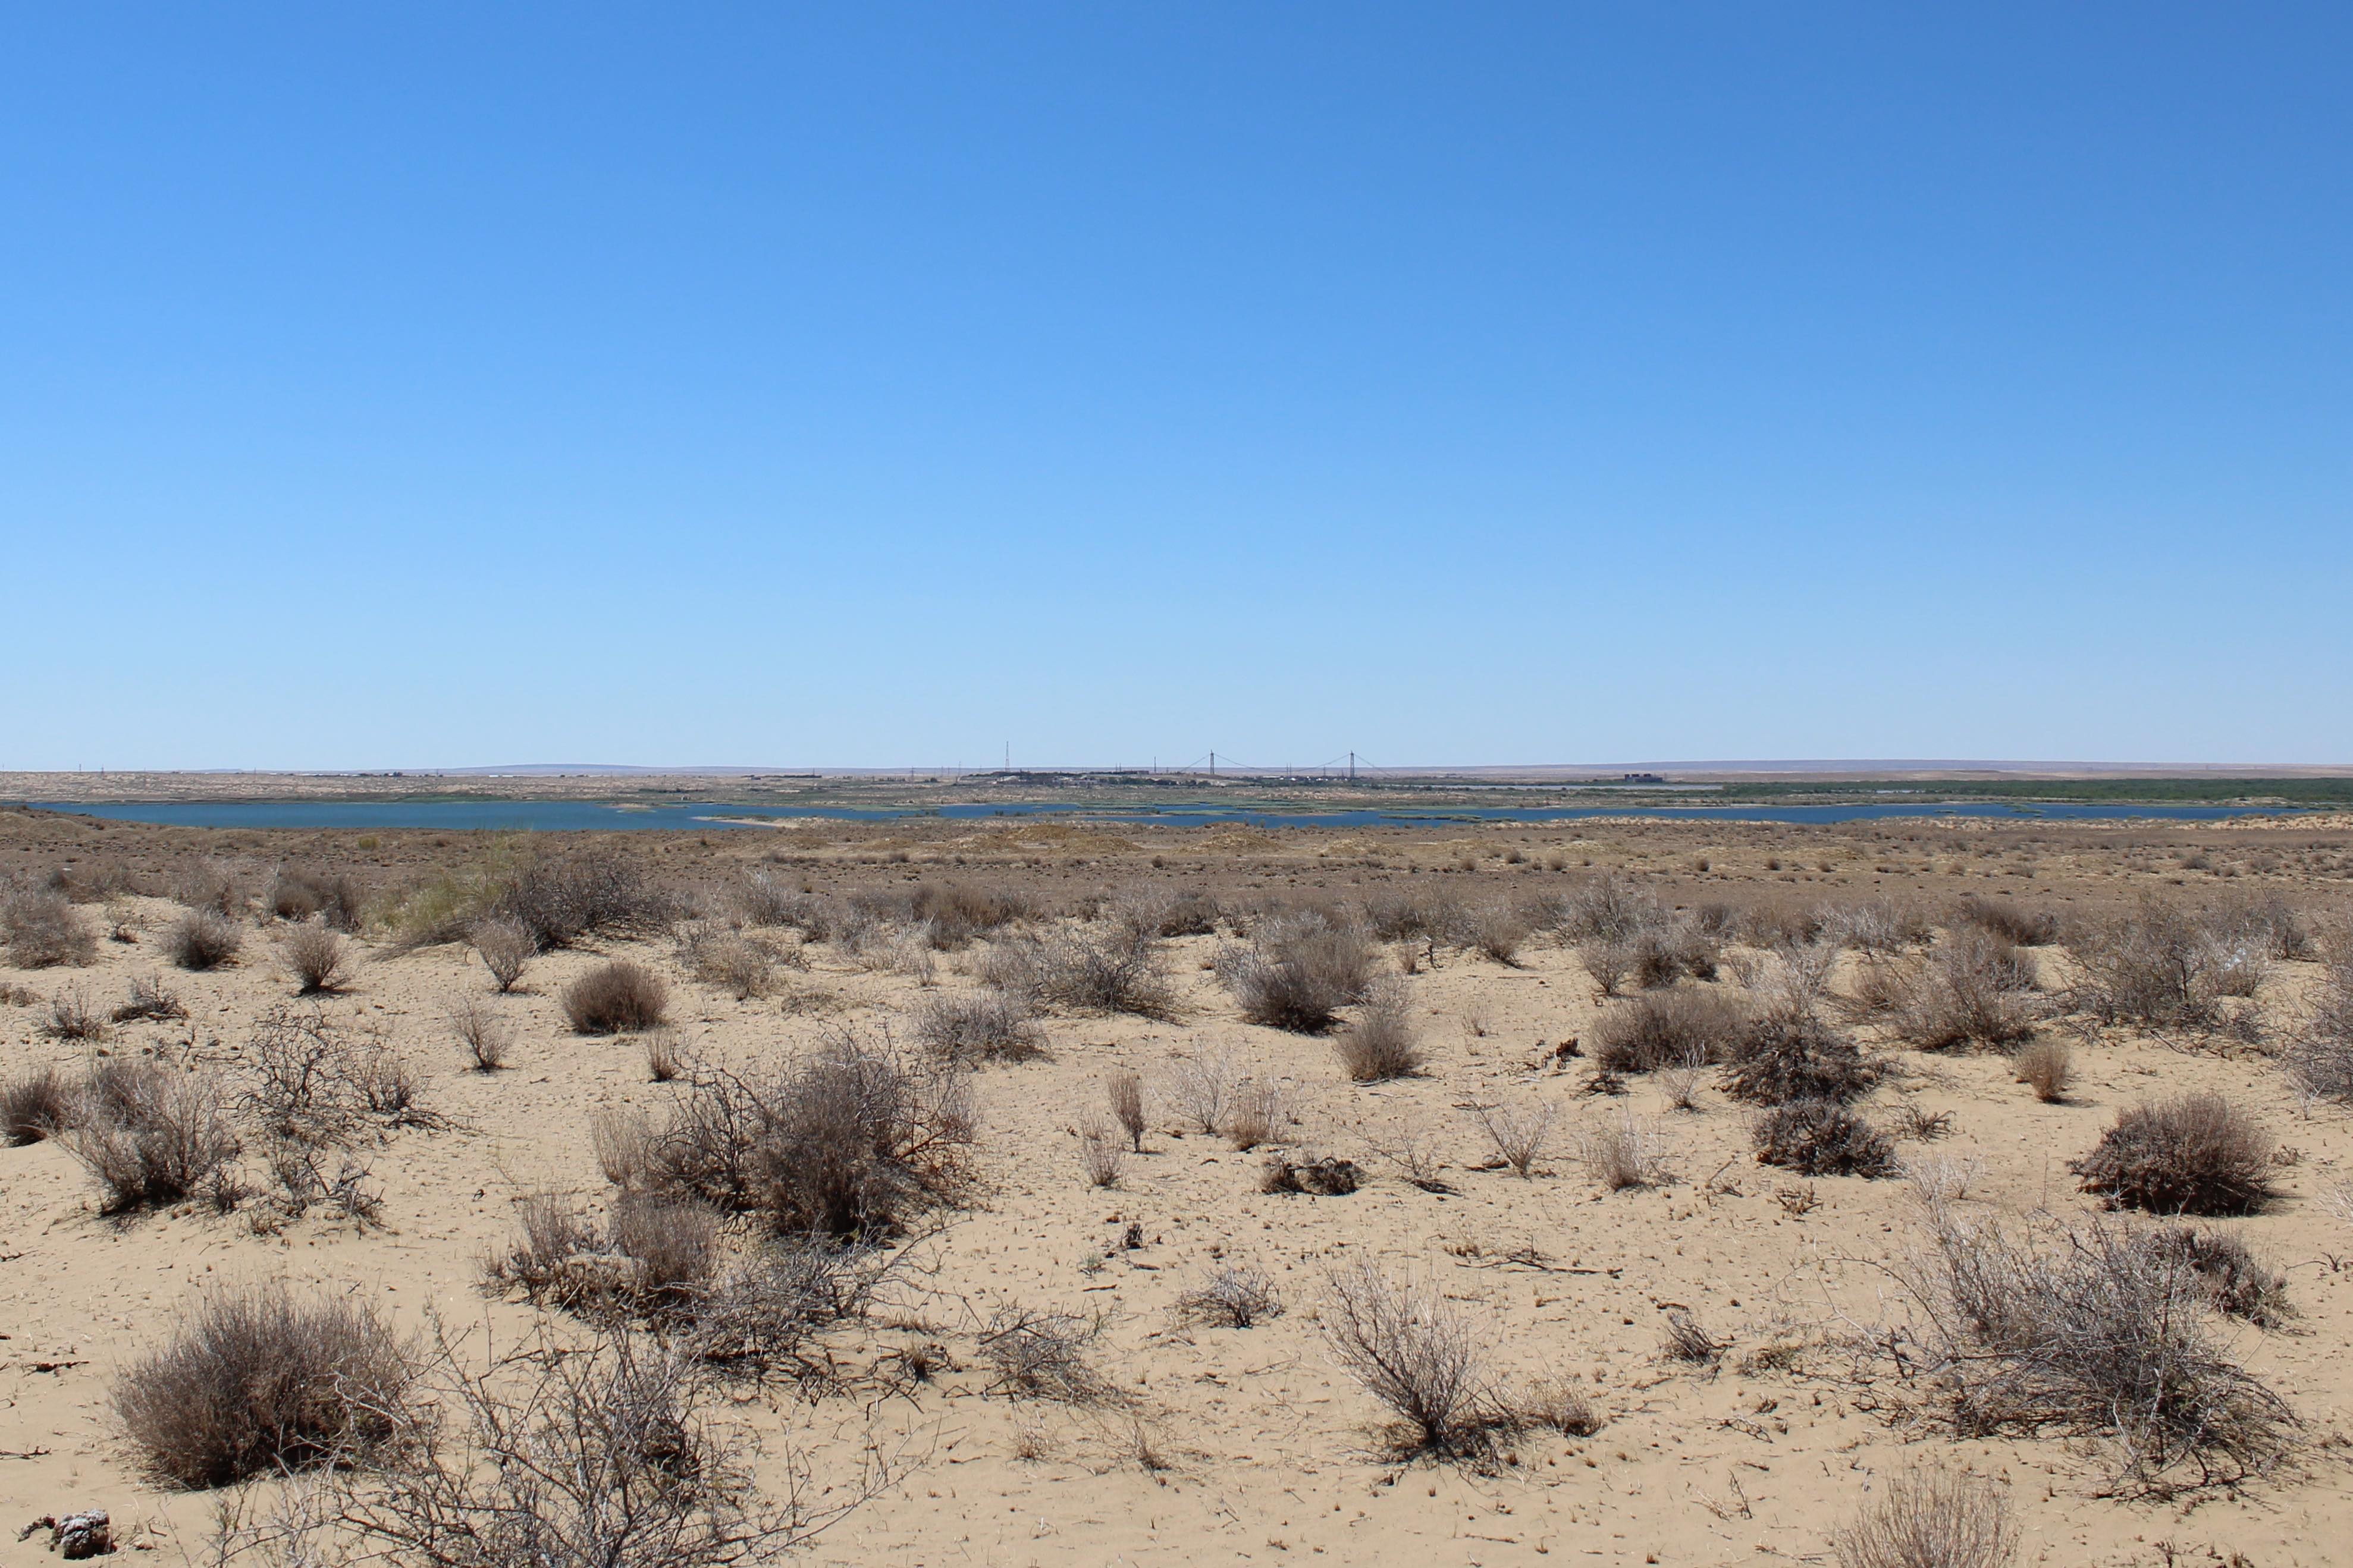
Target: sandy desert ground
<point>1205,1444</point>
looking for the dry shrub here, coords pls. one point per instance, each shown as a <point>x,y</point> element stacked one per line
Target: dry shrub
<point>599,890</point>
<point>1603,910</point>
<point>1553,1404</point>
<point>616,997</point>
<point>1624,935</point>
<point>204,939</point>
<point>1790,1054</point>
<point>1882,926</point>
<point>658,1254</point>
<point>1662,954</point>
<point>955,913</point>
<point>291,896</point>
<point>907,953</point>
<point>597,1456</point>
<point>2196,1154</point>
<point>506,949</point>
<point>664,1062</point>
<point>1042,1355</point>
<point>1326,1177</point>
<point>1611,965</point>
<point>619,1139</point>
<point>2005,965</point>
<point>557,898</point>
<point>865,932</point>
<point>847,1142</point>
<point>1780,926</point>
<point>1679,1086</point>
<point>1919,1122</point>
<point>2020,928</point>
<point>758,1317</point>
<point>33,1105</point>
<point>1684,1340</point>
<point>1123,1093</point>
<point>1415,1156</point>
<point>2160,965</point>
<point>1822,1138</point>
<point>2272,926</point>
<point>1190,911</point>
<point>1202,1089</point>
<point>1669,1028</point>
<point>260,1380</point>
<point>988,1026</point>
<point>1232,1297</point>
<point>1255,1116</point>
<point>304,1082</point>
<point>1111,968</point>
<point>764,901</point>
<point>1883,987</point>
<point>311,1081</point>
<point>215,884</point>
<point>44,931</point>
<point>1496,931</point>
<point>1718,919</point>
<point>550,1232</point>
<point>150,1002</point>
<point>1378,1044</point>
<point>316,958</point>
<point>1100,1154</point>
<point>2319,1054</point>
<point>71,1017</point>
<point>1425,915</point>
<point>1930,1518</point>
<point>2089,1328</point>
<point>1802,972</point>
<point>2228,1278</point>
<point>1522,1134</point>
<point>89,881</point>
<point>2047,1065</point>
<point>2239,964</point>
<point>152,1136</point>
<point>303,1178</point>
<point>1412,1351</point>
<point>1297,972</point>
<point>485,1037</point>
<point>1937,1179</point>
<point>745,966</point>
<point>391,1085</point>
<point>1747,968</point>
<point>1976,991</point>
<point>123,921</point>
<point>307,893</point>
<point>674,1244</point>
<point>1622,1152</point>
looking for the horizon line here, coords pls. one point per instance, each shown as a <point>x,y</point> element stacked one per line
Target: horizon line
<point>1847,766</point>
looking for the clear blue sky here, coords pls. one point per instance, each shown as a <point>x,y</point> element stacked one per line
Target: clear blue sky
<point>416,384</point>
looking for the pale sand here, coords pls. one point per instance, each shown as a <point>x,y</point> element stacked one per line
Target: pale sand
<point>1272,1453</point>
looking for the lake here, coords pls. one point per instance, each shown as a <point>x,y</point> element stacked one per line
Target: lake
<point>577,816</point>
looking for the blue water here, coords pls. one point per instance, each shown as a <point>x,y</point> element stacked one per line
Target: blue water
<point>570,816</point>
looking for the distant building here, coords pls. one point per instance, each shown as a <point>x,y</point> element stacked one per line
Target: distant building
<point>1639,778</point>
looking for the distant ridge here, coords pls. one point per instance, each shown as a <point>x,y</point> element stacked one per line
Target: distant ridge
<point>1819,766</point>
<point>709,771</point>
